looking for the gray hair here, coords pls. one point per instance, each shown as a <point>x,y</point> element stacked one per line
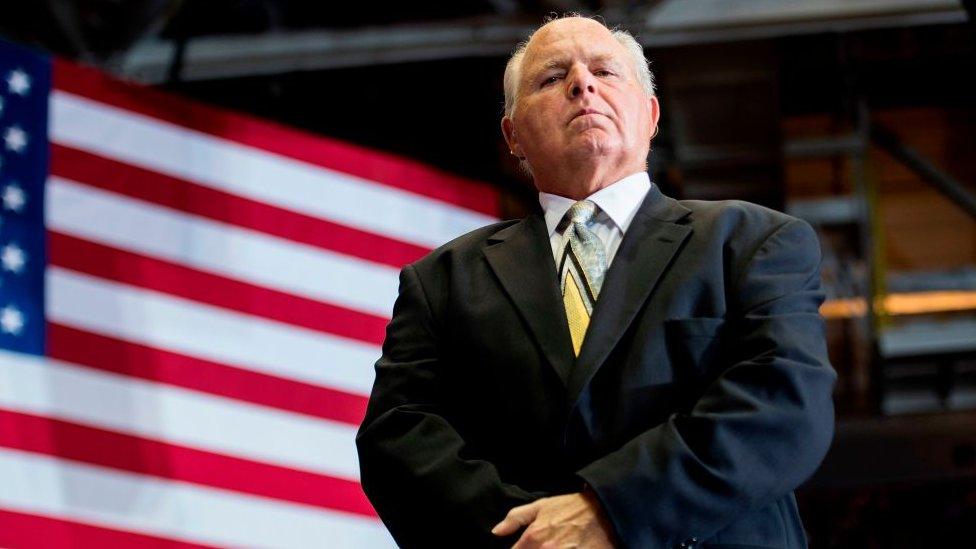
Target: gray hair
<point>641,66</point>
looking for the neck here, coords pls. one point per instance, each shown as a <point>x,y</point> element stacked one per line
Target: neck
<point>579,182</point>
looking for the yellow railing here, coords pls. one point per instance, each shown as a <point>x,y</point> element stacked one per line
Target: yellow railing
<point>907,303</point>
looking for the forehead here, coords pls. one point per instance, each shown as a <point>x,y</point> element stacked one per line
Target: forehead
<point>570,39</point>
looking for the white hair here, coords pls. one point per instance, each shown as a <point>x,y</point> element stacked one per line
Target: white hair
<point>640,64</point>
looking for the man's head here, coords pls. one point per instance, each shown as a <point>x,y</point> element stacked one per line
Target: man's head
<point>580,104</point>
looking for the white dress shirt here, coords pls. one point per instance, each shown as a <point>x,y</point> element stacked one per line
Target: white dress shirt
<point>616,206</point>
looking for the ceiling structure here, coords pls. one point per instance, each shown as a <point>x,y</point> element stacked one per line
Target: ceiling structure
<point>154,41</point>
<point>424,79</point>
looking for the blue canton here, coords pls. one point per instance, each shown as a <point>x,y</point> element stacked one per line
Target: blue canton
<point>25,82</point>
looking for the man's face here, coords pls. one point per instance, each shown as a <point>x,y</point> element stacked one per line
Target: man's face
<point>579,98</point>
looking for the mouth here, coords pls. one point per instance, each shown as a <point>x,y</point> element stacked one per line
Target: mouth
<point>585,112</point>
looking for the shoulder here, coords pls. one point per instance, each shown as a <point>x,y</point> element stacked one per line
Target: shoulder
<point>736,213</point>
<point>740,220</point>
<point>464,247</point>
<point>740,232</point>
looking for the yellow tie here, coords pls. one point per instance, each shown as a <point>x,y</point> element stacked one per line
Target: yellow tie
<point>576,313</point>
<point>581,269</point>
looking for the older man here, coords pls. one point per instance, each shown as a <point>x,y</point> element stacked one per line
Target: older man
<point>623,369</point>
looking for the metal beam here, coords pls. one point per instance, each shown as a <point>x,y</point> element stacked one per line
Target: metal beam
<point>686,22</point>
<point>504,7</point>
<point>952,189</point>
<point>700,14</point>
<point>815,147</point>
<point>214,57</point>
<point>929,338</point>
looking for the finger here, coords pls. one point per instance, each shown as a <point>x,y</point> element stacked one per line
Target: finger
<point>531,540</point>
<point>517,517</point>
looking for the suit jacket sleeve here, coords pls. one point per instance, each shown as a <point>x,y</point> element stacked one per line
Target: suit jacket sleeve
<point>760,428</point>
<point>415,467</point>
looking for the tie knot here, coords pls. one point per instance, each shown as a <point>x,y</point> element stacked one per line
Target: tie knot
<point>582,211</point>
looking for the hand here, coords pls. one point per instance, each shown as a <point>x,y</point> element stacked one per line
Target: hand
<point>572,520</point>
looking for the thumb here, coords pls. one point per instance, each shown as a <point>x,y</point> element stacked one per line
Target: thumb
<point>518,517</point>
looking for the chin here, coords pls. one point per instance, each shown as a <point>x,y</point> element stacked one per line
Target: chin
<point>596,146</point>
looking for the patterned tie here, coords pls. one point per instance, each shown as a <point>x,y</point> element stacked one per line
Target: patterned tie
<point>581,270</point>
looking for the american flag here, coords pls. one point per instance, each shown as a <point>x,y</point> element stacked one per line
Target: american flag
<point>191,302</point>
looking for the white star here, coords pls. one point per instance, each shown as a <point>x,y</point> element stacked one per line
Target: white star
<point>11,320</point>
<point>13,197</point>
<point>18,82</point>
<point>15,138</point>
<point>13,258</point>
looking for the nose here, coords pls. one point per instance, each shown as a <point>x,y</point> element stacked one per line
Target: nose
<point>580,82</point>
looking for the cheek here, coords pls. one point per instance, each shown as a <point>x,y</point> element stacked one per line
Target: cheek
<point>546,109</point>
<point>541,125</point>
<point>638,121</point>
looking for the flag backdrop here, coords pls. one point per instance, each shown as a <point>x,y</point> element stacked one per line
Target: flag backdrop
<point>191,303</point>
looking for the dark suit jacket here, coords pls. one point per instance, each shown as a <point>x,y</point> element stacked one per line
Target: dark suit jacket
<point>701,397</point>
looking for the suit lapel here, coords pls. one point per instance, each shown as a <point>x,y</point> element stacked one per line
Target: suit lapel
<point>648,247</point>
<point>521,257</point>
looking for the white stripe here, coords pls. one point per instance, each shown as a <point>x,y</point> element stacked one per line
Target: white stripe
<point>184,326</point>
<point>255,173</point>
<point>142,408</point>
<point>252,256</point>
<point>38,484</point>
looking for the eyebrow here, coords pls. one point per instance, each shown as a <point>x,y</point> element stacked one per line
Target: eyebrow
<point>561,62</point>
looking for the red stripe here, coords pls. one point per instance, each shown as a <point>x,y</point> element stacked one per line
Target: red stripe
<point>77,442</point>
<point>172,278</point>
<point>188,197</point>
<point>131,359</point>
<point>33,531</point>
<point>375,166</point>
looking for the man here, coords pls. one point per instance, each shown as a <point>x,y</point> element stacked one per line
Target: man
<point>625,370</point>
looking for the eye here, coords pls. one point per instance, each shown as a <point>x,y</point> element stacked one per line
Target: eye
<point>603,72</point>
<point>551,80</point>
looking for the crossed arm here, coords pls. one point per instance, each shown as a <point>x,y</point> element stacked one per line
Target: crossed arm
<point>415,467</point>
<point>758,430</point>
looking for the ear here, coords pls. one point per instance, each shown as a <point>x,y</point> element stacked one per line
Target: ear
<point>508,131</point>
<point>655,111</point>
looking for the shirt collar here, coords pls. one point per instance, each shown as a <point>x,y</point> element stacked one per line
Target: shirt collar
<point>619,201</point>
